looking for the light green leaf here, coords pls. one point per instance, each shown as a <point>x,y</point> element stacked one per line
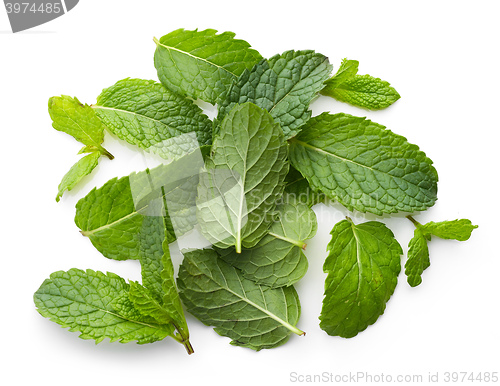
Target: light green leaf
<point>363,166</point>
<point>362,265</point>
<point>278,259</point>
<point>251,315</point>
<point>72,117</point>
<point>146,114</point>
<point>202,64</point>
<point>283,85</point>
<point>97,305</point>
<point>418,251</point>
<point>460,230</point>
<point>243,178</point>
<point>171,299</point>
<point>418,258</point>
<point>79,170</point>
<point>362,91</point>
<point>296,185</point>
<point>347,70</point>
<point>78,120</point>
<point>112,216</point>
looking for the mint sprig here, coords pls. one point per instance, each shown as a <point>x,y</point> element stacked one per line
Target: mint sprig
<point>78,120</point>
<point>363,91</point>
<point>418,251</point>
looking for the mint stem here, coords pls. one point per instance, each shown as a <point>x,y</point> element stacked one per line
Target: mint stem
<point>183,338</point>
<point>415,222</point>
<point>188,347</point>
<point>106,153</point>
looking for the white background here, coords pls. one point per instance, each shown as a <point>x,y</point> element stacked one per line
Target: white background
<point>441,56</point>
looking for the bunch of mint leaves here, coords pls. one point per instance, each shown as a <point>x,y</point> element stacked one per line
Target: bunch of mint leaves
<point>246,181</point>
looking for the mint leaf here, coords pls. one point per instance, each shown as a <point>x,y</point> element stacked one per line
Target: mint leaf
<point>278,259</point>
<point>251,315</point>
<point>359,90</point>
<point>362,265</point>
<point>418,258</point>
<point>283,85</point>
<point>418,251</point>
<point>78,120</point>
<point>242,179</point>
<point>159,292</point>
<point>112,216</point>
<point>79,170</point>
<point>146,303</point>
<point>363,166</point>
<point>347,70</point>
<point>145,114</point>
<point>150,244</point>
<point>97,305</point>
<point>171,299</point>
<point>202,64</point>
<point>460,230</point>
<point>70,116</point>
<point>109,218</point>
<point>296,185</point>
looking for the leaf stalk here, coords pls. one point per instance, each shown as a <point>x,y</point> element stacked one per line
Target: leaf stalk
<point>415,222</point>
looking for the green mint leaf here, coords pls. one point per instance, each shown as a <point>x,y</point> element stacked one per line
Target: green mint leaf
<point>347,70</point>
<point>146,114</point>
<point>78,120</point>
<point>251,315</point>
<point>363,91</point>
<point>202,64</point>
<point>79,170</point>
<point>109,218</point>
<point>363,166</point>
<point>283,85</point>
<point>296,185</point>
<point>418,251</point>
<point>362,265</point>
<point>243,178</point>
<point>72,117</point>
<point>278,259</point>
<point>418,258</point>
<point>171,299</point>
<point>147,304</point>
<point>158,296</point>
<point>112,216</point>
<point>150,244</point>
<point>96,305</point>
<point>460,230</point>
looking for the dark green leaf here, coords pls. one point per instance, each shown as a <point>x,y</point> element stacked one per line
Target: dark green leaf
<point>251,315</point>
<point>364,166</point>
<point>202,64</point>
<point>363,266</point>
